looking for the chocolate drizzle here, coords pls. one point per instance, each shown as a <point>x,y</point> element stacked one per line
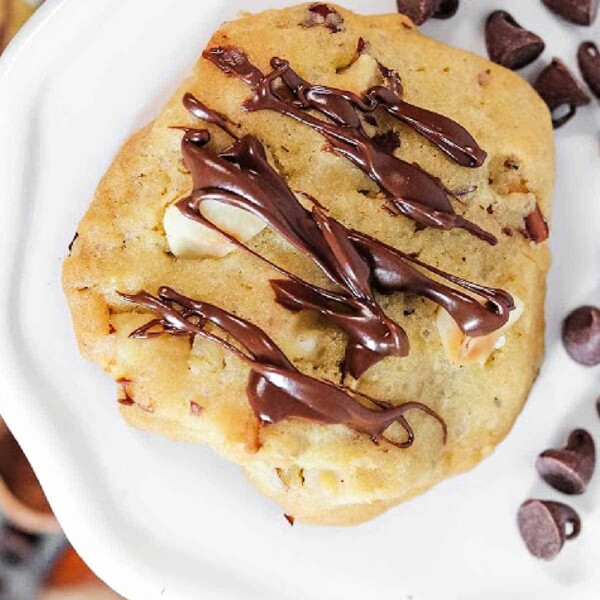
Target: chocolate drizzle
<point>234,61</point>
<point>359,265</point>
<point>410,190</point>
<point>204,113</point>
<point>276,390</point>
<point>450,137</point>
<point>241,176</point>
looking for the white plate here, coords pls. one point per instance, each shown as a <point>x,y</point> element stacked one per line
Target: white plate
<point>157,519</point>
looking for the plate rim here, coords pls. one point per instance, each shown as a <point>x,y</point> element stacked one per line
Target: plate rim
<point>65,487</point>
<point>112,562</point>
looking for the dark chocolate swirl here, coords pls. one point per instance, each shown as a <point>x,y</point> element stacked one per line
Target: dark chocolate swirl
<point>276,390</point>
<point>450,137</point>
<point>204,113</point>
<point>410,190</point>
<point>234,61</point>
<point>241,176</point>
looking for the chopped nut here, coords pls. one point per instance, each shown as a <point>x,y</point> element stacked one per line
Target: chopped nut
<point>126,400</point>
<point>291,477</point>
<point>195,409</point>
<point>324,480</point>
<point>253,443</point>
<point>323,14</point>
<point>360,75</point>
<point>536,226</point>
<point>281,478</point>
<point>484,78</point>
<point>462,349</point>
<point>464,190</point>
<point>190,239</point>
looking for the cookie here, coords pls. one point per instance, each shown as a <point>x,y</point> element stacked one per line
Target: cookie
<point>372,296</point>
<point>13,15</point>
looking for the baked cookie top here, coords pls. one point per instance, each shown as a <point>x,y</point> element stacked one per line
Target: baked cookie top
<point>382,163</point>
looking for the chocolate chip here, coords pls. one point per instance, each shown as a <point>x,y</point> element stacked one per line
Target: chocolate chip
<point>392,79</point>
<point>559,89</point>
<point>581,335</point>
<point>511,164</point>
<point>543,526</point>
<point>509,44</point>
<point>588,57</point>
<point>362,46</point>
<point>323,14</point>
<point>569,469</point>
<point>289,519</point>
<point>419,11</point>
<point>580,12</point>
<point>371,120</point>
<point>388,141</point>
<point>446,9</point>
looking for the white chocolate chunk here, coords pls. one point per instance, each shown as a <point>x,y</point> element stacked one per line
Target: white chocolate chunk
<point>462,349</point>
<point>189,239</point>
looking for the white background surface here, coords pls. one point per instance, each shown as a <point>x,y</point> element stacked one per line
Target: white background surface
<point>161,520</point>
